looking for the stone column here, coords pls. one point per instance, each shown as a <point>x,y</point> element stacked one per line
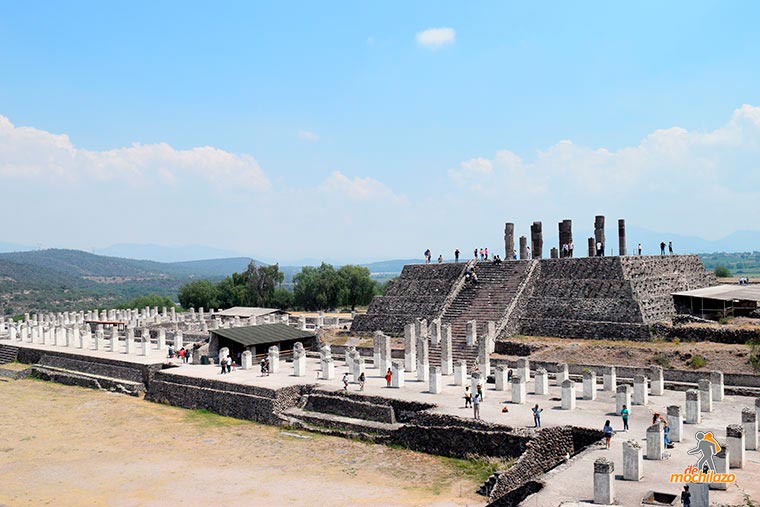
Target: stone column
<point>447,350</point>
<point>359,367</point>
<point>735,444</point>
<point>246,360</point>
<point>640,391</point>
<point>658,382</point>
<point>299,360</point>
<point>484,361</point>
<point>523,247</point>
<point>162,339</point>
<point>435,332</point>
<point>376,349</point>
<point>705,395</point>
<point>302,322</point>
<point>410,347</point>
<point>178,340</point>
<point>537,240</point>
<point>693,410</point>
<point>519,393</point>
<point>599,231</point>
<point>384,346</point>
<point>633,461</point>
<point>622,250</point>
<point>604,481</point>
<point>523,368</point>
<point>757,408</point>
<point>421,328</point>
<point>475,379</point>
<point>130,342</point>
<point>568,395</point>
<point>501,378</point>
<point>700,494</point>
<point>622,397</point>
<point>565,234</point>
<point>554,253</point>
<point>509,240</point>
<point>562,373</point>
<point>541,382</point>
<point>749,423</point>
<point>589,385</point>
<point>721,467</point>
<point>328,368</point>
<point>472,333</point>
<point>273,354</point>
<point>591,247</point>
<point>610,378</point>
<point>655,441</point>
<point>397,369</point>
<point>460,373</point>
<point>716,378</point>
<point>675,422</point>
<point>436,380</point>
<point>491,336</point>
<point>423,359</point>
<point>146,346</point>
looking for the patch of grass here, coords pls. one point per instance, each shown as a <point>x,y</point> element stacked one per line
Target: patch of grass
<point>208,419</point>
<point>661,359</point>
<point>697,361</point>
<point>478,468</point>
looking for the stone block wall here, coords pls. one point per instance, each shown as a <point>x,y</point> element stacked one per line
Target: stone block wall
<point>347,407</point>
<point>419,292</point>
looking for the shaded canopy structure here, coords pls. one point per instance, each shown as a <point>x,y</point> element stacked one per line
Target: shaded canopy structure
<point>258,339</point>
<point>718,301</point>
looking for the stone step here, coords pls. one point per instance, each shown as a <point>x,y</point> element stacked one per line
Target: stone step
<point>8,353</point>
<point>332,421</point>
<point>78,378</point>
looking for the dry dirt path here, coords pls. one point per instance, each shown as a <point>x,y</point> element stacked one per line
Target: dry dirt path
<point>68,446</point>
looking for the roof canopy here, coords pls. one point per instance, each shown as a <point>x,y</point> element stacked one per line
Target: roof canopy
<point>725,293</point>
<point>263,334</point>
<point>245,312</point>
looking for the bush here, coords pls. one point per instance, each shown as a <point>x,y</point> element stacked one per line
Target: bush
<point>697,361</point>
<point>754,353</point>
<point>661,359</point>
<point>722,272</point>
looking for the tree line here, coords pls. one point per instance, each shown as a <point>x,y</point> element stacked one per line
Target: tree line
<point>314,288</point>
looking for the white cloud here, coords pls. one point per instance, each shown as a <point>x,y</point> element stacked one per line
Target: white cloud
<point>435,38</point>
<point>359,189</point>
<point>32,154</point>
<point>306,135</point>
<point>666,177</point>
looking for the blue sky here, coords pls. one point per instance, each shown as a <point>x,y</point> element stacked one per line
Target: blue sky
<point>351,132</point>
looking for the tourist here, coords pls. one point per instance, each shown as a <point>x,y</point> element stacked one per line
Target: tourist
<point>467,397</point>
<point>686,496</point>
<point>509,376</point>
<point>481,254</point>
<point>266,366</point>
<point>263,367</point>
<point>475,253</point>
<point>662,248</point>
<point>388,377</point>
<point>427,256</point>
<point>486,253</point>
<point>527,252</point>
<point>362,380</point>
<point>514,254</point>
<point>497,259</point>
<point>456,255</point>
<point>639,249</point>
<point>231,367</point>
<point>171,352</point>
<point>666,434</point>
<point>229,364</point>
<point>599,249</point>
<point>476,405</point>
<point>670,247</point>
<point>181,355</point>
<point>480,389</point>
<point>565,250</point>
<point>223,364</point>
<point>570,249</point>
<point>624,413</point>
<point>607,430</point>
<point>345,381</point>
<point>440,259</point>
<point>537,416</point>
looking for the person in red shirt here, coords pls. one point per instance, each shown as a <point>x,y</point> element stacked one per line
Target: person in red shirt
<point>388,377</point>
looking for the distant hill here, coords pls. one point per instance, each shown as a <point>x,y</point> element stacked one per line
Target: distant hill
<point>212,267</point>
<point>164,253</point>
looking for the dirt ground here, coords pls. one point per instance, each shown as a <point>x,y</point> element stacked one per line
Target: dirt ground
<point>69,446</point>
<point>721,357</point>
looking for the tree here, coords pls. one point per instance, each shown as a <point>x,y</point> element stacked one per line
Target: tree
<point>357,286</point>
<point>281,298</point>
<point>152,300</point>
<point>317,288</point>
<point>261,282</point>
<point>722,272</point>
<point>199,293</point>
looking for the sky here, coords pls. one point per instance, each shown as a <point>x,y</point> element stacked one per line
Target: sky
<point>359,131</point>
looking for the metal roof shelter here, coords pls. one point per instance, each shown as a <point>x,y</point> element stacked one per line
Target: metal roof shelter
<point>721,300</point>
<point>258,339</point>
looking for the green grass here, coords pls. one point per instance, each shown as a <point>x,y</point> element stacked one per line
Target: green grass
<point>478,468</point>
<point>208,419</point>
<point>697,361</point>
